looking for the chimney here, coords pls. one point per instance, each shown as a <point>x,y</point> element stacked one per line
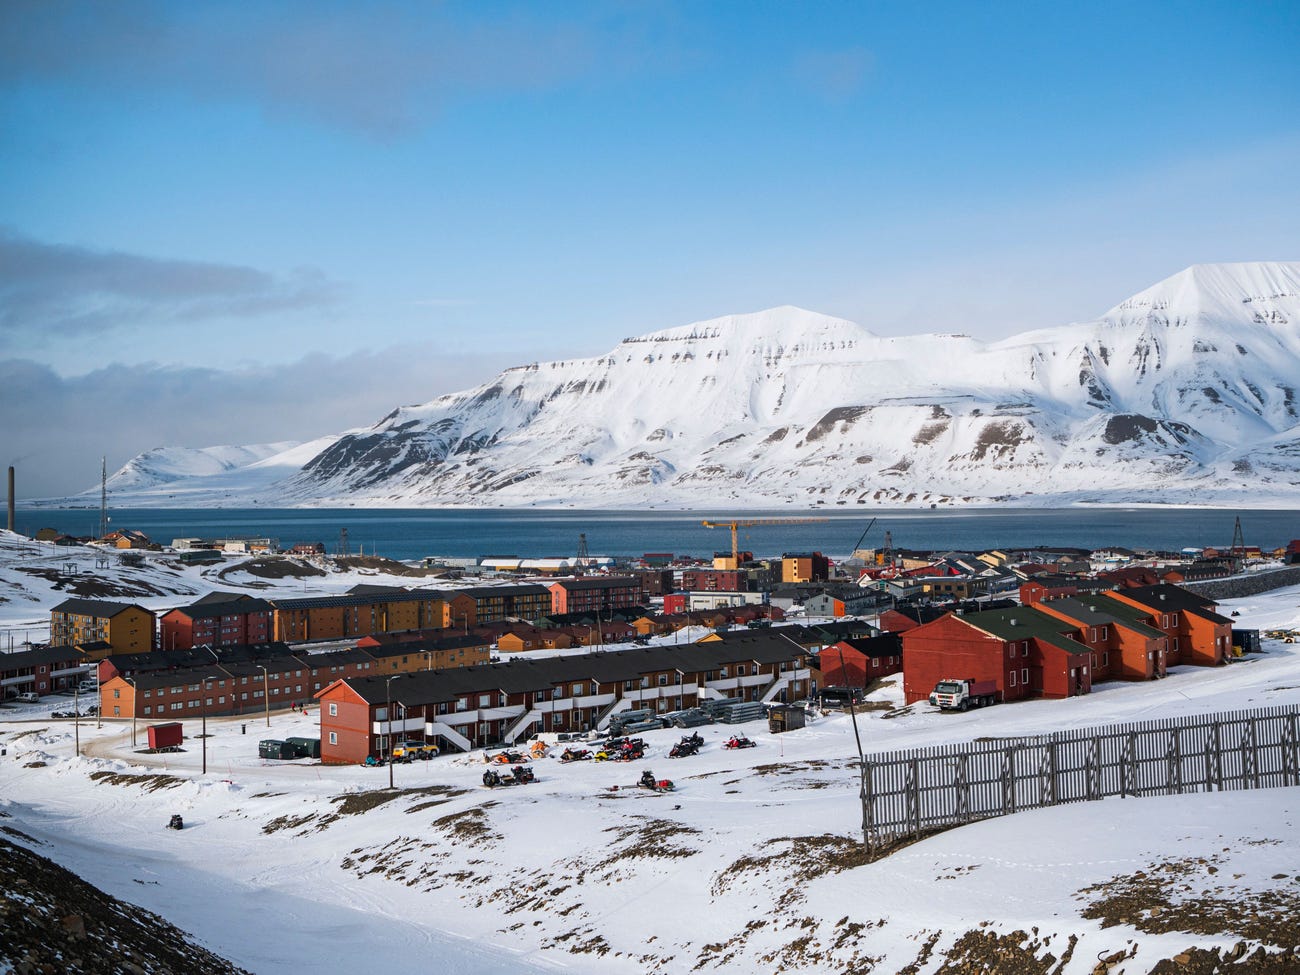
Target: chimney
<point>11,498</point>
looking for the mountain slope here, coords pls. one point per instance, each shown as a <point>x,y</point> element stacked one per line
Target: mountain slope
<point>1184,392</point>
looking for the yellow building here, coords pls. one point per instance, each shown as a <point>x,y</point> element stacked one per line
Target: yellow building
<point>125,627</point>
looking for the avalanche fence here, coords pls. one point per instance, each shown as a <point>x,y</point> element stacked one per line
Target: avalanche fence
<point>912,792</point>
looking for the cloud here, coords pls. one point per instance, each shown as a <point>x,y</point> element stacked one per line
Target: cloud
<point>59,289</point>
<point>834,75</point>
<point>60,426</point>
<point>378,67</point>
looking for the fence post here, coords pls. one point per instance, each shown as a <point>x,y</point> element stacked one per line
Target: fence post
<point>962,785</point>
<point>1008,781</point>
<point>868,805</point>
<point>1131,767</point>
<point>1290,774</point>
<point>1174,766</point>
<point>1253,732</point>
<point>1218,756</point>
<point>914,796</point>
<point>1092,767</point>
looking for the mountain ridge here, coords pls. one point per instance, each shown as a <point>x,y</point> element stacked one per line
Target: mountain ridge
<point>1183,393</point>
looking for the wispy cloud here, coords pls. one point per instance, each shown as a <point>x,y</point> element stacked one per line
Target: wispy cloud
<point>61,424</point>
<point>63,289</point>
<point>378,67</point>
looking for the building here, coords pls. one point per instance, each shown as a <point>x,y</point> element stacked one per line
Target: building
<point>601,596</point>
<point>42,671</point>
<point>1197,634</point>
<point>504,702</point>
<point>1027,654</point>
<point>858,662</point>
<point>127,538</point>
<point>127,627</point>
<point>491,604</point>
<point>806,567</point>
<point>219,619</point>
<point>362,611</point>
<point>1123,645</point>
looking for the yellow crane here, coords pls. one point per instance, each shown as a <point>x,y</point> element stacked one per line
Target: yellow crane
<point>734,523</point>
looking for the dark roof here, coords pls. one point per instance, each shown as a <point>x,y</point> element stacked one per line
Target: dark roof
<point>1097,611</point>
<point>1167,598</point>
<point>1024,623</point>
<point>219,596</point>
<point>132,663</point>
<point>492,592</point>
<point>885,645</point>
<point>539,673</point>
<point>241,606</point>
<point>356,597</point>
<point>921,614</point>
<point>94,607</point>
<point>41,655</point>
<point>149,680</point>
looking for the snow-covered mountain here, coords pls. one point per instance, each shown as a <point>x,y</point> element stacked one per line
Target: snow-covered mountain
<point>1184,393</point>
<point>167,465</point>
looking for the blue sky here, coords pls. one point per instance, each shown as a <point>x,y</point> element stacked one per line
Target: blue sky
<point>299,215</point>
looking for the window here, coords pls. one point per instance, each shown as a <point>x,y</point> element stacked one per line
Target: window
<point>147,710</point>
<point>221,700</point>
<point>1011,650</point>
<point>117,692</point>
<point>663,680</point>
<point>334,710</point>
<point>740,670</point>
<point>334,737</point>
<point>1024,649</point>
<point>1024,676</point>
<point>1013,678</point>
<point>578,690</point>
<point>1103,632</point>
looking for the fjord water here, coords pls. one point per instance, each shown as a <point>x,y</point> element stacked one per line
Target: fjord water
<point>532,533</point>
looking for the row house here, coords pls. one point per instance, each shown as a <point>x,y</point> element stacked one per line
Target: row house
<point>603,595</point>
<point>492,604</point>
<point>361,612</point>
<point>858,662</point>
<point>235,685</point>
<point>126,627</point>
<point>1197,634</point>
<point>271,674</point>
<point>505,702</point>
<point>1122,644</point>
<point>220,619</point>
<point>1027,654</point>
<point>46,670</point>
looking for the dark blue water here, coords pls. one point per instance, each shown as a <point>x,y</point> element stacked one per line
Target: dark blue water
<point>415,533</point>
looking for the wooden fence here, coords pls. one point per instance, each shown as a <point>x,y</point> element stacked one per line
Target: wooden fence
<point>906,793</point>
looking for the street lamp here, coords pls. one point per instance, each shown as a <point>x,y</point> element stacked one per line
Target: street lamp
<point>204,735</point>
<point>134,694</point>
<point>266,694</point>
<point>76,718</point>
<point>388,713</point>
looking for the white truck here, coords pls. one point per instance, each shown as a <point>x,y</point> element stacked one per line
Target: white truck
<point>963,693</point>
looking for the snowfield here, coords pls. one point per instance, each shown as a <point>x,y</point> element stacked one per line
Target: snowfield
<point>753,864</point>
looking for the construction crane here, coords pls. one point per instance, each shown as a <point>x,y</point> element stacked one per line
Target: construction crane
<point>735,523</point>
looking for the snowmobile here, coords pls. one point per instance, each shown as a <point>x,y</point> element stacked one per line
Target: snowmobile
<point>738,741</point>
<point>176,822</point>
<point>372,762</point>
<point>575,755</point>
<point>689,745</point>
<point>648,781</point>
<point>519,775</point>
<point>507,758</point>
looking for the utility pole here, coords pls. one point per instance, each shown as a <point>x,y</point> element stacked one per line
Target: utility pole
<point>103,497</point>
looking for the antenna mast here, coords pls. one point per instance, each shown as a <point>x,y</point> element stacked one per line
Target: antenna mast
<point>103,497</point>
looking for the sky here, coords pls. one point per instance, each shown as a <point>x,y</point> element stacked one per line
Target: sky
<point>256,222</point>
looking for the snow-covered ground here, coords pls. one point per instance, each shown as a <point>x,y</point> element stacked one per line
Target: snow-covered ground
<point>751,865</point>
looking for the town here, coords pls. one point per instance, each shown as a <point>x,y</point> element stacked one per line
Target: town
<point>492,653</point>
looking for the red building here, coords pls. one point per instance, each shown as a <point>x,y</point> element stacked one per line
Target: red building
<point>1027,654</point>
<point>856,663</point>
<point>1123,644</point>
<point>220,619</point>
<point>904,618</point>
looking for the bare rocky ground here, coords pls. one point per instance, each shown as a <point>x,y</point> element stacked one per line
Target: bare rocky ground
<point>53,922</point>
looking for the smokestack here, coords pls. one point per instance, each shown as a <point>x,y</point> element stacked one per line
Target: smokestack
<point>11,497</point>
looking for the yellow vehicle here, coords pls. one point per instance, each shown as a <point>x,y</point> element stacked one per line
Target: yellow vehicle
<point>408,751</point>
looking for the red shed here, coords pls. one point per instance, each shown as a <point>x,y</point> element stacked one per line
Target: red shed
<point>169,735</point>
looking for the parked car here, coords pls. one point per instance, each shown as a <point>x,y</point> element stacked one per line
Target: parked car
<point>28,697</point>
